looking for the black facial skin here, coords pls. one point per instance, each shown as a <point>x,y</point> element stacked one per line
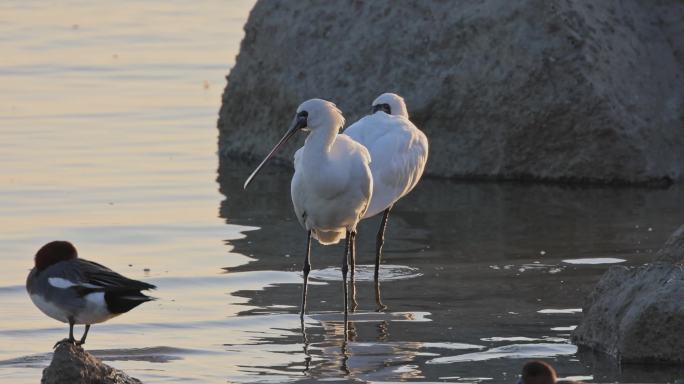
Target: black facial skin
<point>302,119</point>
<point>382,107</point>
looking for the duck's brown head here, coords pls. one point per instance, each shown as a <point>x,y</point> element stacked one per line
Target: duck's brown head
<point>54,252</point>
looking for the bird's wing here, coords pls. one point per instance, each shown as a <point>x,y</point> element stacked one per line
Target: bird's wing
<point>360,130</point>
<point>370,128</point>
<point>296,190</point>
<point>298,158</point>
<point>399,156</point>
<point>416,145</point>
<point>88,276</point>
<point>366,189</point>
<point>357,179</point>
<point>297,194</point>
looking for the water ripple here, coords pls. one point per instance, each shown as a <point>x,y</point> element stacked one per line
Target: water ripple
<point>363,272</point>
<point>513,351</point>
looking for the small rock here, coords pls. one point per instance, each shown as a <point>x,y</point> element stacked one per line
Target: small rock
<point>71,364</point>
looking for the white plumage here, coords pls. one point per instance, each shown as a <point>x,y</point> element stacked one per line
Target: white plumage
<point>332,184</point>
<point>398,150</point>
<point>49,308</point>
<point>93,311</point>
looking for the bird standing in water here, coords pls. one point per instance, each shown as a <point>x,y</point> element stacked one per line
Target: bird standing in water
<point>332,184</point>
<point>78,291</point>
<point>399,151</point>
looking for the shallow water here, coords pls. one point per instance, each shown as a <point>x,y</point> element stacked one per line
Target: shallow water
<point>107,138</point>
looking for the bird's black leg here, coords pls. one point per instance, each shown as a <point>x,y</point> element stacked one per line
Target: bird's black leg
<point>379,305</point>
<point>352,254</point>
<point>352,282</point>
<point>306,270</point>
<point>345,269</point>
<point>380,240</point>
<point>85,334</point>
<point>71,331</point>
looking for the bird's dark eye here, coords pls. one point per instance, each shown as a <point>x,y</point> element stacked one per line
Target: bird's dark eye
<point>303,114</point>
<point>382,107</point>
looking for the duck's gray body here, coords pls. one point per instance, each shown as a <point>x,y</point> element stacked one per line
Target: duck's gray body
<point>79,291</point>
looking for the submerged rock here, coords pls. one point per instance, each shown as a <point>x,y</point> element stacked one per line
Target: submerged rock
<point>72,365</point>
<point>637,313</point>
<point>556,90</point>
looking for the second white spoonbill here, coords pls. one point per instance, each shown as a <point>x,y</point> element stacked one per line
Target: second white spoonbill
<point>332,184</point>
<point>399,151</point>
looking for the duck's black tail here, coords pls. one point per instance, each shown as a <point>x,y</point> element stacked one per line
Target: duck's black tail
<point>121,301</point>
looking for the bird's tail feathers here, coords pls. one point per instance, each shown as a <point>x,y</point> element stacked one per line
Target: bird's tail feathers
<point>329,237</point>
<point>121,302</point>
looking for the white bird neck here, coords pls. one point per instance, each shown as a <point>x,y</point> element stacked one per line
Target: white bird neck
<point>403,112</point>
<point>320,140</point>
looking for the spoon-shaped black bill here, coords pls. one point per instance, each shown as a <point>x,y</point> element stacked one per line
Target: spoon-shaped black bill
<point>298,123</point>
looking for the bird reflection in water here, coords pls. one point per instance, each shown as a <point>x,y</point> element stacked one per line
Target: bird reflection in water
<point>342,352</point>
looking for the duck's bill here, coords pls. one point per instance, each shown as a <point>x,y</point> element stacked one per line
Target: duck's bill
<point>296,126</point>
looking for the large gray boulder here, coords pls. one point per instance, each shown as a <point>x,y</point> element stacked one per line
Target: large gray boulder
<point>72,365</point>
<point>541,89</point>
<point>673,251</point>
<point>637,314</point>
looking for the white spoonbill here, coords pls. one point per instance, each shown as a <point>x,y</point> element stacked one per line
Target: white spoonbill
<point>399,151</point>
<point>332,183</point>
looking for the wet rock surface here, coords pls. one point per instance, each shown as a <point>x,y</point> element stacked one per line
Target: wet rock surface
<point>554,90</point>
<point>72,365</point>
<point>637,313</point>
<point>673,251</point>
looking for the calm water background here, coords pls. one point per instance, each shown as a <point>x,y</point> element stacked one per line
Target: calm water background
<point>108,139</point>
